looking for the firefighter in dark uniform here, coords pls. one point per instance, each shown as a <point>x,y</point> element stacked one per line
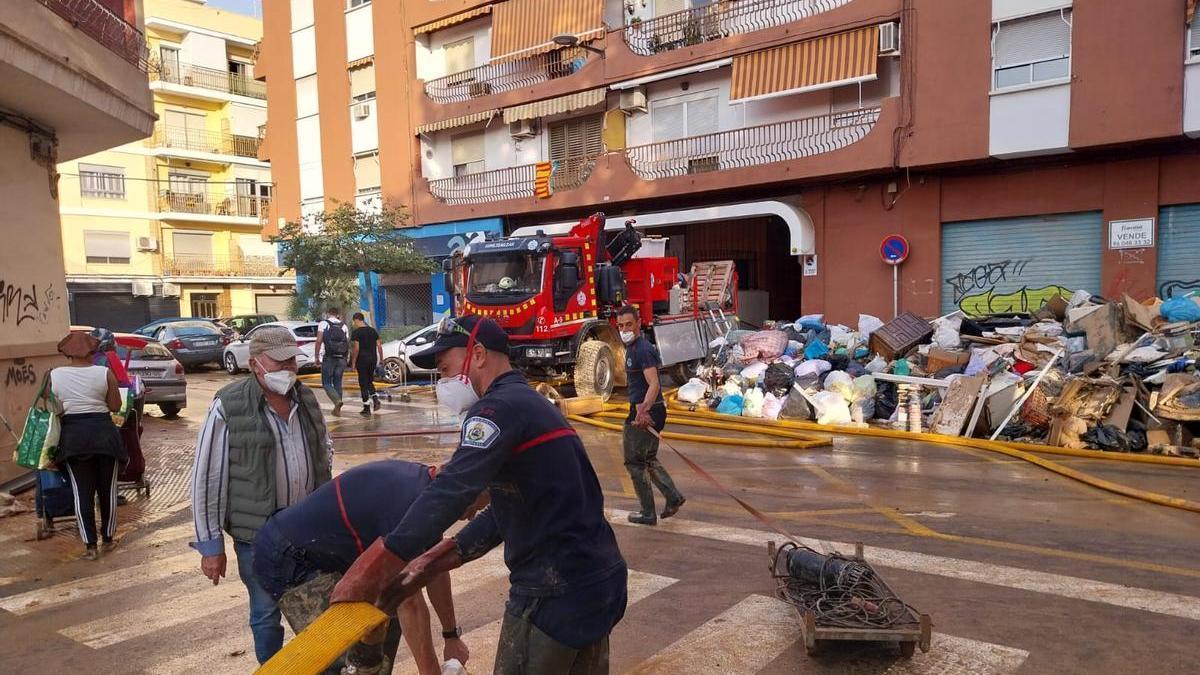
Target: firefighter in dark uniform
<point>567,576</point>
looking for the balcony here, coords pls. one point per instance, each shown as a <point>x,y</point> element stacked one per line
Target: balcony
<point>201,265</point>
<point>212,203</point>
<point>495,78</point>
<point>213,142</point>
<point>716,21</point>
<point>212,79</point>
<point>517,182</point>
<point>752,146</point>
<point>104,26</point>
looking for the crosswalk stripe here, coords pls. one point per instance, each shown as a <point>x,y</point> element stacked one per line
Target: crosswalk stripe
<point>117,628</point>
<point>1075,588</point>
<point>163,536</point>
<point>742,640</point>
<point>13,553</point>
<point>951,655</point>
<point>105,582</point>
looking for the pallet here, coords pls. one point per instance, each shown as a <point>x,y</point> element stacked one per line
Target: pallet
<point>907,639</point>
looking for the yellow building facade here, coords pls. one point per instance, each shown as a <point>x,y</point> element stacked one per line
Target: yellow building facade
<point>172,225</point>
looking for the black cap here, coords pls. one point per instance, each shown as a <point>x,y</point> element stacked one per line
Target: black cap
<point>490,335</point>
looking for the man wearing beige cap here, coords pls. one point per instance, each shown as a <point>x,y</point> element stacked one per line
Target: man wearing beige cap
<point>263,447</point>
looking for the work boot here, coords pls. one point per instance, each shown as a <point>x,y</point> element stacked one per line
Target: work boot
<point>366,411</point>
<point>337,409</point>
<point>672,508</point>
<point>91,553</point>
<point>643,519</point>
<point>375,403</point>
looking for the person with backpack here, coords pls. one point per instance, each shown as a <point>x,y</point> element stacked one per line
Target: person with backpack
<point>333,335</point>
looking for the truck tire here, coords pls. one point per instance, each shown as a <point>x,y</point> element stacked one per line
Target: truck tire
<point>684,371</point>
<point>594,369</point>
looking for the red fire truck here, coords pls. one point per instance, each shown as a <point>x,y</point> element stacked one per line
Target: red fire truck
<point>557,297</point>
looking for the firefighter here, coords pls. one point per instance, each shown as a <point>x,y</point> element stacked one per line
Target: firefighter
<point>567,576</point>
<point>646,410</point>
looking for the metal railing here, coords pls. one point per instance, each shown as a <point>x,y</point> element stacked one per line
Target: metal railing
<point>203,265</point>
<point>208,78</point>
<point>212,203</point>
<point>718,20</point>
<point>512,183</point>
<point>201,140</point>
<point>752,146</point>
<point>495,78</point>
<point>105,27</point>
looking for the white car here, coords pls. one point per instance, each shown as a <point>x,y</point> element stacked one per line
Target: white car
<point>237,354</point>
<point>397,355</point>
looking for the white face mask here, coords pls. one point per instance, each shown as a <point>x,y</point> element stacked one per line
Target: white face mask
<point>456,394</point>
<point>279,381</point>
<point>628,336</point>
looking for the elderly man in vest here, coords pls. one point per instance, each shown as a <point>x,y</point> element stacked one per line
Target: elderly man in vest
<point>263,447</point>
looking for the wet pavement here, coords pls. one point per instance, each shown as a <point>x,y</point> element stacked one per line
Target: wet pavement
<point>1021,570</point>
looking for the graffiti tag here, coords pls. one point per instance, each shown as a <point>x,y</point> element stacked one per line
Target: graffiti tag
<point>20,373</point>
<point>1022,300</point>
<point>1170,289</point>
<point>985,277</point>
<point>18,304</point>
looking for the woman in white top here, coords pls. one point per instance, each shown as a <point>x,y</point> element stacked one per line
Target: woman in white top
<point>89,445</point>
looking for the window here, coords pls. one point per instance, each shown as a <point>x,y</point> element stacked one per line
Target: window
<point>240,76</point>
<point>366,172</point>
<point>111,248</point>
<point>1031,49</point>
<point>1194,38</point>
<point>192,245</point>
<point>680,116</point>
<point>187,183</point>
<point>460,55</point>
<point>186,130</point>
<point>205,305</point>
<point>107,182</point>
<point>351,4</point>
<point>362,83</point>
<point>168,63</point>
<point>572,139</point>
<point>466,153</point>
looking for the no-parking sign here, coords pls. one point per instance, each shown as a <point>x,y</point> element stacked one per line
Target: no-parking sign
<point>894,249</point>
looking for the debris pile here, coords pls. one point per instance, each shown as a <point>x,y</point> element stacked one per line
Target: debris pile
<point>1081,372</point>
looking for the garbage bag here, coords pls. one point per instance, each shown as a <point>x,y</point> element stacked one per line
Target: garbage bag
<point>840,383</point>
<point>811,322</point>
<point>731,405</point>
<point>752,403</point>
<point>885,399</point>
<point>877,365</point>
<point>765,345</point>
<point>731,388</point>
<point>778,378</point>
<point>855,369</point>
<point>1108,437</point>
<point>863,387</point>
<point>734,337</point>
<point>813,367</point>
<point>693,391</point>
<point>796,407</point>
<point>1180,309</point>
<point>794,333</point>
<point>794,348</point>
<point>831,408</point>
<point>754,371</point>
<point>841,335</point>
<point>868,324</point>
<point>771,406</point>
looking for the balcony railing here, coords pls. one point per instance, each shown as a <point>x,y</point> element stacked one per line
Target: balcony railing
<point>752,146</point>
<point>105,27</point>
<point>202,265</point>
<point>495,78</point>
<point>212,203</point>
<point>205,141</point>
<point>208,78</point>
<point>718,20</point>
<point>512,183</point>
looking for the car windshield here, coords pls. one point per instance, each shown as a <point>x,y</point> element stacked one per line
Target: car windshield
<point>507,274</point>
<point>151,352</point>
<point>194,328</point>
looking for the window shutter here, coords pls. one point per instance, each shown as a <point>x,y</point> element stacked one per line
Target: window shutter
<point>558,141</point>
<point>1195,33</point>
<point>306,96</point>
<point>667,121</point>
<point>702,116</point>
<point>662,7</point>
<point>460,56</point>
<point>466,148</point>
<point>366,172</point>
<point>192,243</point>
<point>362,80</point>
<point>106,244</point>
<point>1034,38</point>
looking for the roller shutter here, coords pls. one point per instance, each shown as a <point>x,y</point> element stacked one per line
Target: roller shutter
<point>1016,264</point>
<point>274,304</point>
<point>1179,250</point>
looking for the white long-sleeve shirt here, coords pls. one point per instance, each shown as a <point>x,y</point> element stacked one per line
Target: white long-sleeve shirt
<point>294,473</point>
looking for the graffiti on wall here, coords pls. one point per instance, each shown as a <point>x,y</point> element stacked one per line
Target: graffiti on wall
<point>1022,300</point>
<point>22,303</point>
<point>978,292</point>
<point>20,373</point>
<point>984,277</point>
<point>1170,289</point>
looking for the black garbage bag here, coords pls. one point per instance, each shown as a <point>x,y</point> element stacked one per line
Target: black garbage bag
<point>956,369</point>
<point>855,369</point>
<point>838,361</point>
<point>778,379</point>
<point>1107,437</point>
<point>885,399</point>
<point>796,407</point>
<point>796,335</point>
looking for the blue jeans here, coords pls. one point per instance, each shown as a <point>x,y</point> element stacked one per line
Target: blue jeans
<point>332,370</point>
<point>266,623</point>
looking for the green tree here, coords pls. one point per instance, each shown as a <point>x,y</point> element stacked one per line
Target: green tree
<point>329,249</point>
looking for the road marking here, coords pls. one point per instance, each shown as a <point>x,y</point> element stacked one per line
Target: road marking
<point>163,536</point>
<point>479,573</point>
<point>14,553</point>
<point>228,650</point>
<point>742,640</point>
<point>949,655</point>
<point>105,582</point>
<point>1158,602</point>
<point>117,628</point>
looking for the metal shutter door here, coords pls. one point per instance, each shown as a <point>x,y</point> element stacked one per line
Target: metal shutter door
<point>1179,250</point>
<point>274,304</point>
<point>1016,264</point>
<point>119,313</point>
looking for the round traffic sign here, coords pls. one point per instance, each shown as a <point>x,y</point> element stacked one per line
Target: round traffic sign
<point>894,249</point>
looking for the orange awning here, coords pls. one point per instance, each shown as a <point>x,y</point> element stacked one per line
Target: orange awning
<point>1191,10</point>
<point>820,63</point>
<point>522,28</point>
<point>452,20</point>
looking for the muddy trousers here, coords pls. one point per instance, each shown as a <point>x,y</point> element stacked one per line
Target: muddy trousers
<point>304,603</point>
<point>94,476</point>
<point>641,461</point>
<point>526,650</point>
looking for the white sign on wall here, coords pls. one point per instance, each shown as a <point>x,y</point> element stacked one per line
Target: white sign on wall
<point>1137,233</point>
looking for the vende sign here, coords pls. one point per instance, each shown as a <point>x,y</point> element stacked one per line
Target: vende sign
<point>1131,233</point>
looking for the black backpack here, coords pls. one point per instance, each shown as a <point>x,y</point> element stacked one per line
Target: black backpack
<point>337,344</point>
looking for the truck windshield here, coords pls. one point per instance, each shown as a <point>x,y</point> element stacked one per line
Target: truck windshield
<point>509,274</point>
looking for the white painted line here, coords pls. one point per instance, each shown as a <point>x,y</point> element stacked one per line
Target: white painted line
<point>228,650</point>
<point>951,655</point>
<point>1158,602</point>
<point>105,582</point>
<point>186,531</point>
<point>490,569</point>
<point>742,640</point>
<point>117,628</point>
<point>9,553</point>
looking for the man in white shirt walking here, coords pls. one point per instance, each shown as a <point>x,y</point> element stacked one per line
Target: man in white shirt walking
<point>334,337</point>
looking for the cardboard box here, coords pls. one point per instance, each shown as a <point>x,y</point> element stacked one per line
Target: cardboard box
<point>939,358</point>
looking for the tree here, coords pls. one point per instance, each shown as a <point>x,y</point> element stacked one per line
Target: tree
<point>329,249</point>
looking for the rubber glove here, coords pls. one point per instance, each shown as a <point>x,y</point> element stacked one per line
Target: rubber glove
<point>372,573</point>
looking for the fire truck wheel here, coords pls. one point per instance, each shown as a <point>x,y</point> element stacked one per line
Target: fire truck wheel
<point>594,370</point>
<point>682,372</point>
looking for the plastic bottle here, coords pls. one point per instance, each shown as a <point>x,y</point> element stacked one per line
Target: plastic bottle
<point>453,667</point>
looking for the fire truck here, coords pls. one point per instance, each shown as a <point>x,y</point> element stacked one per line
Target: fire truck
<point>557,297</point>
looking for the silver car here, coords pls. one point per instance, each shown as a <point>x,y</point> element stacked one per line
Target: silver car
<point>397,355</point>
<point>161,375</point>
<point>237,353</point>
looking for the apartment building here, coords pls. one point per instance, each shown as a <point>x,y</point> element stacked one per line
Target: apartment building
<point>1022,148</point>
<point>74,83</point>
<point>172,225</point>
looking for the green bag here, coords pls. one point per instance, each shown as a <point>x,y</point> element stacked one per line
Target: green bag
<point>40,435</point>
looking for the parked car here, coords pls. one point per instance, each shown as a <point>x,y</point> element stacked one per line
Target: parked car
<point>244,323</point>
<point>236,356</point>
<point>149,329</point>
<point>193,342</point>
<point>397,355</point>
<point>161,375</point>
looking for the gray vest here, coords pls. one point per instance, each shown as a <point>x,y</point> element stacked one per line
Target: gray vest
<point>253,449</point>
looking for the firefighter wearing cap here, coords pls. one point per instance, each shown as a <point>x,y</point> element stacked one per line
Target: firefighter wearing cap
<point>567,576</point>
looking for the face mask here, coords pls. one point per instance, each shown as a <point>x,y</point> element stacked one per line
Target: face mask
<point>627,336</point>
<point>456,394</point>
<point>279,381</point>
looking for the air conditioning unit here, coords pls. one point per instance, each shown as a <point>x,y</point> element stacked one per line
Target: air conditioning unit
<point>170,290</point>
<point>889,38</point>
<point>480,89</point>
<point>361,111</point>
<point>147,244</point>
<point>143,288</point>
<point>633,100</point>
<point>522,129</point>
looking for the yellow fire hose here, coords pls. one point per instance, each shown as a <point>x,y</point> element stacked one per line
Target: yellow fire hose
<point>350,381</point>
<point>326,639</point>
<point>795,440</point>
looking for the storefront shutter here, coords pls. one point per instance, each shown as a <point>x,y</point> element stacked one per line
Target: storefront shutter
<point>1016,264</point>
<point>1179,250</point>
<point>1033,38</point>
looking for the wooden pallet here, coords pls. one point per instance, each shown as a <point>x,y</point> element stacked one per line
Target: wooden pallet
<point>710,285</point>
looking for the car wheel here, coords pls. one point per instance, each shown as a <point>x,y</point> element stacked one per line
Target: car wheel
<point>393,369</point>
<point>169,410</point>
<point>231,365</point>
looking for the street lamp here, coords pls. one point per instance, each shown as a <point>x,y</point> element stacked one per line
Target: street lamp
<point>569,40</point>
